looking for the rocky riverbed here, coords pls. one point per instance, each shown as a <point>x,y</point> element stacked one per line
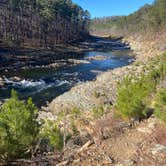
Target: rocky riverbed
<point>92,93</point>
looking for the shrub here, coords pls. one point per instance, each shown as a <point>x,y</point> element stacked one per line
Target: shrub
<point>52,134</point>
<point>132,93</point>
<point>75,113</point>
<point>19,128</point>
<point>68,118</point>
<point>160,105</point>
<point>158,73</point>
<point>22,134</point>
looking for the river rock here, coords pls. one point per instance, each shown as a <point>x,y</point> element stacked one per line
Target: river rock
<point>158,148</point>
<point>78,61</point>
<point>126,163</point>
<point>97,57</point>
<point>82,95</point>
<point>16,78</point>
<point>47,116</point>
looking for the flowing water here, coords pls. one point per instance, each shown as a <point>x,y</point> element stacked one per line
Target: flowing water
<point>45,84</point>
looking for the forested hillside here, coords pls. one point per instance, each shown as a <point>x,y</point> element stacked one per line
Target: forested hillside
<point>43,23</point>
<point>149,18</point>
<point>100,100</point>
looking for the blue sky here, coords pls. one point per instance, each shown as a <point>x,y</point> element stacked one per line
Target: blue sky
<point>99,8</point>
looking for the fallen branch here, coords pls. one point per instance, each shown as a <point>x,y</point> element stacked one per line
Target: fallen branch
<point>85,146</point>
<point>63,163</point>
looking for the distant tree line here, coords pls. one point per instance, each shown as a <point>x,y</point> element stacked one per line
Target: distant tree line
<point>42,23</point>
<point>148,18</point>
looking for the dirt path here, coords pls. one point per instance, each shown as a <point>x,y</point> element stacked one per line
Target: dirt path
<point>140,146</point>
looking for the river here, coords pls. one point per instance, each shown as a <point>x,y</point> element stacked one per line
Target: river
<point>44,84</point>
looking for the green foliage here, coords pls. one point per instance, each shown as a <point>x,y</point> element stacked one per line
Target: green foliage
<point>158,68</point>
<point>98,112</point>
<point>131,96</point>
<point>14,94</point>
<point>51,132</point>
<point>74,129</point>
<point>148,17</point>
<point>74,116</point>
<point>134,91</point>
<point>22,134</point>
<point>43,22</point>
<point>69,114</point>
<point>97,94</point>
<point>160,105</point>
<point>19,128</point>
<point>75,112</point>
<point>68,118</point>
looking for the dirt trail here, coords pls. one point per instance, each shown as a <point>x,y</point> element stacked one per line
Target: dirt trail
<point>140,146</point>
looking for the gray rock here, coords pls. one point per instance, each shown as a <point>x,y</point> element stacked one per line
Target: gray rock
<point>126,163</point>
<point>158,148</point>
<point>15,78</point>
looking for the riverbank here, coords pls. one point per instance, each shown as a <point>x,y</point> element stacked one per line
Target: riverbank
<point>12,60</point>
<point>146,46</point>
<point>115,141</point>
<point>103,90</point>
<point>30,58</point>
